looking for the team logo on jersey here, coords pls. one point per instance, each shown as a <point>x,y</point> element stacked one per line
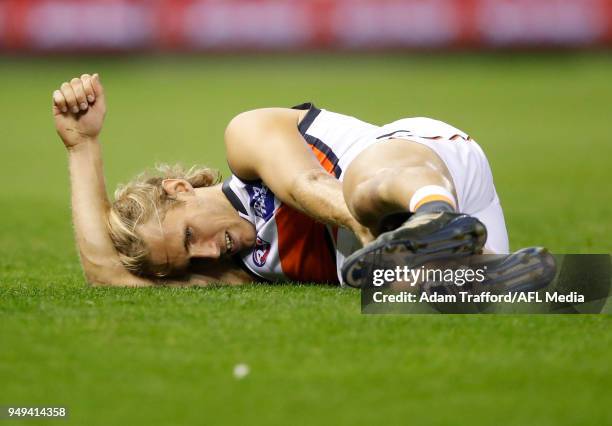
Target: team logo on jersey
<point>261,252</point>
<point>261,200</point>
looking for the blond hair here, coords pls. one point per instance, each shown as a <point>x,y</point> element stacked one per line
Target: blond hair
<point>142,199</point>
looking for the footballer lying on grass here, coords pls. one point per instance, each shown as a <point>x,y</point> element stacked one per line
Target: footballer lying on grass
<point>308,188</point>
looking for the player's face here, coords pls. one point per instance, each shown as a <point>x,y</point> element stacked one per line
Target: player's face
<point>204,226</point>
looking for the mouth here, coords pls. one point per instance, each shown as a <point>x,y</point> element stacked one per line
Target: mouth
<point>229,243</point>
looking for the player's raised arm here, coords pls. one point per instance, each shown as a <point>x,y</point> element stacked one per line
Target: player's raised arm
<point>266,144</point>
<point>78,108</point>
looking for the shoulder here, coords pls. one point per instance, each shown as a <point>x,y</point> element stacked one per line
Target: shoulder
<point>263,119</point>
<point>249,138</point>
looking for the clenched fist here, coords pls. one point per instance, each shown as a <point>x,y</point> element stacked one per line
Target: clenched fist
<point>79,108</point>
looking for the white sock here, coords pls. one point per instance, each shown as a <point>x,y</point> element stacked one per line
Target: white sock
<point>431,193</point>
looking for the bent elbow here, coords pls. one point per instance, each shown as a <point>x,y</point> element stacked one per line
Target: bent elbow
<point>123,281</point>
<point>110,276</point>
<point>237,126</point>
<point>97,278</point>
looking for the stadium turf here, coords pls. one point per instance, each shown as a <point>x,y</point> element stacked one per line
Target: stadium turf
<point>166,356</point>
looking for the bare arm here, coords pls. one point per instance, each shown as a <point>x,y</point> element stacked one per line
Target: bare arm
<point>90,209</point>
<point>79,109</point>
<point>266,144</point>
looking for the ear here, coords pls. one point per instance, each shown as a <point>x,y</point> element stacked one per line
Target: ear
<point>174,187</point>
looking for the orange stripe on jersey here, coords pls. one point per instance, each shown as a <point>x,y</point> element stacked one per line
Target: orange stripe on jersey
<point>323,160</point>
<point>303,248</point>
<point>325,155</point>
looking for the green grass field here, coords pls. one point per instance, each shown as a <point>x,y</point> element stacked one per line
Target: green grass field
<point>165,356</point>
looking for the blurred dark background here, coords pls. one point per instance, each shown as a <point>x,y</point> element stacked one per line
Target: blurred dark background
<point>229,25</point>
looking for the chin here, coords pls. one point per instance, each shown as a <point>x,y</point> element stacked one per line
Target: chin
<point>245,236</point>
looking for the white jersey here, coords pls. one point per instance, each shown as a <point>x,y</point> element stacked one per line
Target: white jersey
<point>291,246</point>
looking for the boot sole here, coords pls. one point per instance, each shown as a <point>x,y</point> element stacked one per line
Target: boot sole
<point>464,236</point>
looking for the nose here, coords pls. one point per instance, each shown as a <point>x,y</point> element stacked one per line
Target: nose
<point>205,249</point>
